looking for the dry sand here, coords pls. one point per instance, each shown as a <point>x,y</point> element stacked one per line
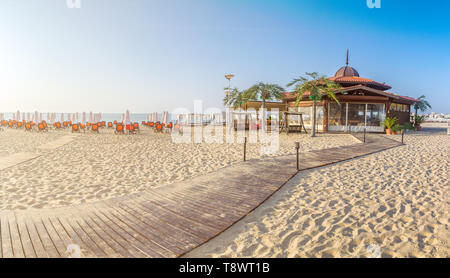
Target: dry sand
<point>101,166</point>
<point>390,204</point>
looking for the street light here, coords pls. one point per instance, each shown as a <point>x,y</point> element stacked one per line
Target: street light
<point>229,76</point>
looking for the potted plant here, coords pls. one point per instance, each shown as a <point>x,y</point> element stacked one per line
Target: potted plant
<point>389,123</point>
<point>418,120</point>
<point>396,128</point>
<point>408,126</point>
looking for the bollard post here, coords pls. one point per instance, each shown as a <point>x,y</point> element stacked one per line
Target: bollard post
<point>403,134</point>
<point>245,148</point>
<point>364,135</point>
<point>297,147</point>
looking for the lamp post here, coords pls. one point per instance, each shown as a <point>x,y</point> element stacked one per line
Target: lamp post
<point>228,77</point>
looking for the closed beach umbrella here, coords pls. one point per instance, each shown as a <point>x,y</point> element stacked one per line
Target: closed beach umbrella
<point>62,117</point>
<point>91,118</point>
<point>122,118</point>
<point>36,116</point>
<point>28,116</point>
<point>76,117</point>
<point>83,118</point>
<point>18,116</point>
<point>127,120</point>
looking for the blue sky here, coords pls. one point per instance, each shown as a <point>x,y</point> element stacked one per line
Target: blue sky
<point>112,55</point>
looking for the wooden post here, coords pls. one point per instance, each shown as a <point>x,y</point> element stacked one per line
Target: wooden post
<point>325,116</point>
<point>297,147</point>
<point>245,148</point>
<point>364,135</point>
<point>403,134</point>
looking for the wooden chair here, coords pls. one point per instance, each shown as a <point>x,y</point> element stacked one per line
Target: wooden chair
<point>10,124</point>
<point>19,125</point>
<point>119,129</point>
<point>65,124</point>
<point>58,125</point>
<point>75,128</point>
<point>151,124</point>
<point>94,128</point>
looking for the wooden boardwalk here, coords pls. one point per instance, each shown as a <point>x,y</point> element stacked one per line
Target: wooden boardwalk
<point>165,221</point>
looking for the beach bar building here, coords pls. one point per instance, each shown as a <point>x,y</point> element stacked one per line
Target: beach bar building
<point>364,103</point>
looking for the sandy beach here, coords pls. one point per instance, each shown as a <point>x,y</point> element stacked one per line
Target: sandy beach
<point>94,167</point>
<point>390,204</point>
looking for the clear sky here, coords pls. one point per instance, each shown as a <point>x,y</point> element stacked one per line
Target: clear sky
<point>112,55</point>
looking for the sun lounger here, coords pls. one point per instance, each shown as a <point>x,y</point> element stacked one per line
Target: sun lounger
<point>41,127</point>
<point>28,127</point>
<point>158,128</point>
<point>119,129</point>
<point>75,128</point>
<point>94,128</point>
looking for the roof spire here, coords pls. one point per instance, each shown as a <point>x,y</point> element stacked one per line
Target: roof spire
<point>347,57</point>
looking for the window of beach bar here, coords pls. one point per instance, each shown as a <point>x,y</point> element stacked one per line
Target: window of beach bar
<point>356,116</point>
<point>375,116</point>
<point>336,116</point>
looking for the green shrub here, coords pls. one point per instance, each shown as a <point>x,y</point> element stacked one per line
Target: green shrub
<point>390,122</point>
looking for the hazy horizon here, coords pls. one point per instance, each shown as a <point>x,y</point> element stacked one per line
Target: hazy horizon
<point>145,56</point>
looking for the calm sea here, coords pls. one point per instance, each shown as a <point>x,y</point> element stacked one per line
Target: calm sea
<point>108,117</point>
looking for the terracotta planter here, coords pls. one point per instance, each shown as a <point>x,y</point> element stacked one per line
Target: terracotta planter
<point>419,128</point>
<point>388,131</point>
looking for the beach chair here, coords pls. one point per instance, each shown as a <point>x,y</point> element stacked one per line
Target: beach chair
<point>119,129</point>
<point>58,125</point>
<point>158,128</point>
<point>28,127</point>
<point>19,124</point>
<point>10,124</point>
<point>65,124</point>
<point>110,125</point>
<point>151,124</point>
<point>69,123</point>
<point>136,127</point>
<point>41,127</point>
<point>131,129</point>
<point>75,128</point>
<point>94,128</point>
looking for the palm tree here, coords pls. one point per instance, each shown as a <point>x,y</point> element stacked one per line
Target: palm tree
<point>316,87</point>
<point>236,98</point>
<point>421,105</point>
<point>265,92</point>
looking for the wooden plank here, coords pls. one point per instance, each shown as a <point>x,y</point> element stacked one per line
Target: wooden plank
<point>77,219</point>
<point>16,241</point>
<point>145,250</point>
<point>162,226</point>
<point>193,227</point>
<point>78,234</point>
<point>90,224</point>
<point>119,240</point>
<point>58,242</point>
<point>7,248</point>
<point>38,246</point>
<point>154,247</point>
<point>25,239</point>
<point>69,238</point>
<point>188,211</point>
<point>46,240</point>
<point>147,234</point>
